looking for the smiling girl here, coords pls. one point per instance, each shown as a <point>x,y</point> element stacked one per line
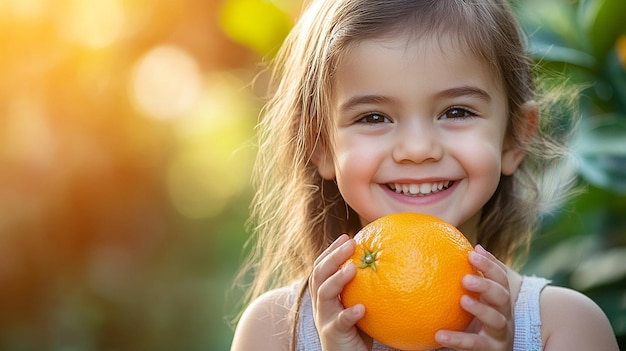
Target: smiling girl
<point>390,106</point>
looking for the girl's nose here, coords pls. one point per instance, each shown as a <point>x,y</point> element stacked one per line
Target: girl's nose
<point>417,143</point>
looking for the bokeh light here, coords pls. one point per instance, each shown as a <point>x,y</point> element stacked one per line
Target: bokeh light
<point>125,131</point>
<point>213,164</point>
<point>24,9</point>
<point>166,82</point>
<point>93,23</point>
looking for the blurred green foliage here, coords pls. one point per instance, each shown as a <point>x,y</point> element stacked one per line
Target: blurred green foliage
<point>583,245</point>
<point>126,141</point>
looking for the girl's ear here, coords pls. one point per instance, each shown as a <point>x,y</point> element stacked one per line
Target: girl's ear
<point>323,159</point>
<point>514,151</point>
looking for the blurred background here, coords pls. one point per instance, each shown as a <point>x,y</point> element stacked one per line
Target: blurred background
<point>126,143</point>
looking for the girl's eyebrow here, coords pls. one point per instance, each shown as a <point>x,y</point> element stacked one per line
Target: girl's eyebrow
<point>465,90</point>
<point>364,99</point>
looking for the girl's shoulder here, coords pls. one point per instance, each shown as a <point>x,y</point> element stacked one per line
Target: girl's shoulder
<point>265,323</point>
<point>572,321</point>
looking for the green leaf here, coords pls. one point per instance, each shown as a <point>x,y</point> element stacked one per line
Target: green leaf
<point>616,75</point>
<point>602,21</point>
<point>600,147</point>
<point>552,21</point>
<point>543,51</point>
<point>601,268</point>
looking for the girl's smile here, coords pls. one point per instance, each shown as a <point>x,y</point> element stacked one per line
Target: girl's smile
<point>419,193</point>
<point>419,126</point>
<point>420,189</point>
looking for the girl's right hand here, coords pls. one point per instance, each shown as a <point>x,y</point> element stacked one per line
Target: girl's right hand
<point>335,324</point>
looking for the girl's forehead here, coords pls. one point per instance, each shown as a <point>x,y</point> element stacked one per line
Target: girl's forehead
<point>449,48</point>
<point>427,41</point>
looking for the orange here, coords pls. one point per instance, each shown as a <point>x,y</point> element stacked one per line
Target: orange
<point>409,271</point>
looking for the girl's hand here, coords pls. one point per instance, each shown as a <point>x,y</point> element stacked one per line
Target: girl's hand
<point>493,328</point>
<point>336,325</point>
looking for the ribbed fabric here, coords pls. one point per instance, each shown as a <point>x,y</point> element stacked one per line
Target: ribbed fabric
<point>528,316</point>
<point>527,320</point>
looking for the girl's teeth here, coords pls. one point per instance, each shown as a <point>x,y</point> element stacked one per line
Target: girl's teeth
<point>419,189</point>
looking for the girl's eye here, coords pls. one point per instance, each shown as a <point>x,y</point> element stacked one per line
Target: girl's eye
<point>457,112</point>
<point>373,118</point>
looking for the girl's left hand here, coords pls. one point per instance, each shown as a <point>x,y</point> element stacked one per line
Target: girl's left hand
<point>493,326</point>
<point>335,324</point>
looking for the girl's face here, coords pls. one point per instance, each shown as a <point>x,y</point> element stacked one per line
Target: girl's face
<point>419,126</point>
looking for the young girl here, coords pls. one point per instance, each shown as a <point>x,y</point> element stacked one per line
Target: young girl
<point>385,106</point>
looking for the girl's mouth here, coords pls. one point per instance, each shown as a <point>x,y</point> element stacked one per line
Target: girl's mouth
<point>421,189</point>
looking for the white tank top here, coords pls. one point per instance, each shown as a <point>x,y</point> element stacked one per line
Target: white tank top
<point>527,320</point>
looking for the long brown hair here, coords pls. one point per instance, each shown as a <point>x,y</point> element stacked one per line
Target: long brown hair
<point>295,213</point>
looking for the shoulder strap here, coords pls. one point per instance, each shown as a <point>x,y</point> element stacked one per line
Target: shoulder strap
<point>528,315</point>
<point>307,338</point>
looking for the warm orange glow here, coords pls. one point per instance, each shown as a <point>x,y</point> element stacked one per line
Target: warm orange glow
<point>124,145</point>
<point>25,9</point>
<point>93,23</point>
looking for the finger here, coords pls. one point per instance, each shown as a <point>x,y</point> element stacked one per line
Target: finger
<point>462,341</point>
<point>332,259</point>
<point>490,292</point>
<point>493,322</point>
<point>490,266</point>
<point>348,317</point>
<point>332,287</point>
<point>481,250</point>
<point>330,315</point>
<point>458,340</point>
<point>334,245</point>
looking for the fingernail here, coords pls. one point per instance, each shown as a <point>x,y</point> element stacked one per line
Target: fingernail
<point>348,268</point>
<point>480,248</point>
<point>471,280</point>
<point>358,310</point>
<point>466,300</point>
<point>345,242</point>
<point>474,256</point>
<point>442,337</point>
